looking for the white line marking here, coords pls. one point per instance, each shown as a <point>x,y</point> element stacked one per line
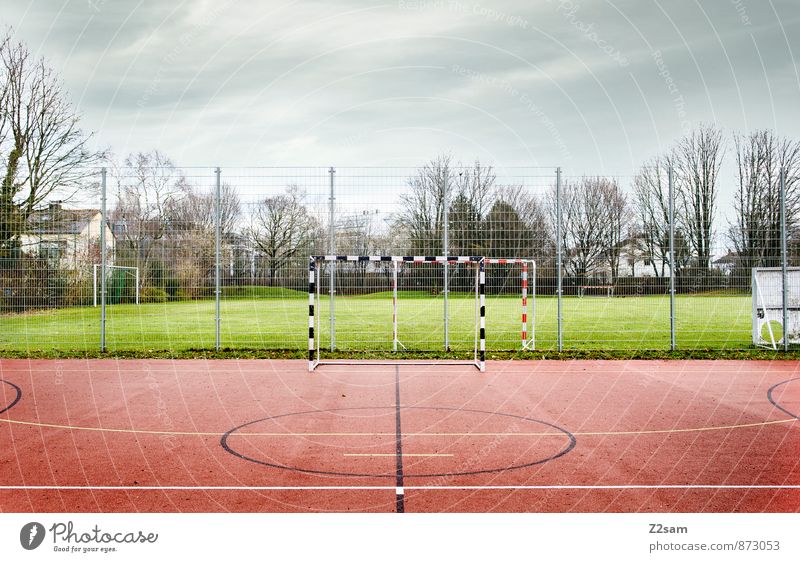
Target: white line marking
<point>377,434</point>
<point>521,487</point>
<point>399,491</point>
<point>395,454</point>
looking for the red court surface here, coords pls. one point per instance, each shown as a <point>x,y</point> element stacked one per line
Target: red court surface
<point>536,436</point>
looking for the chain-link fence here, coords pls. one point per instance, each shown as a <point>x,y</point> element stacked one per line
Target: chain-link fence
<point>164,258</point>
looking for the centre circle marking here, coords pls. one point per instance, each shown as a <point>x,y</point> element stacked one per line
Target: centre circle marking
<point>17,397</point>
<point>225,443</point>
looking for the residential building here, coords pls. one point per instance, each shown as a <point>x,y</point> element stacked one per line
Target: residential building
<point>68,238</point>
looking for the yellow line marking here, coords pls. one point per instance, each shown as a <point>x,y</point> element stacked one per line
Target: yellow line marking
<point>392,434</point>
<point>395,454</point>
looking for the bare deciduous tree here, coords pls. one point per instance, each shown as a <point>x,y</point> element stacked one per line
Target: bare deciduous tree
<point>756,231</point>
<point>197,211</point>
<point>650,188</point>
<point>517,225</point>
<point>472,191</point>
<point>698,157</point>
<point>189,242</point>
<point>281,228</point>
<point>43,151</point>
<point>651,192</point>
<point>592,218</point>
<point>616,203</point>
<point>470,194</point>
<point>422,209</point>
<point>148,187</point>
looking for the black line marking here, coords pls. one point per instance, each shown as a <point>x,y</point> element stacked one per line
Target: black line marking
<point>16,398</point>
<point>399,502</point>
<point>775,402</point>
<point>225,445</point>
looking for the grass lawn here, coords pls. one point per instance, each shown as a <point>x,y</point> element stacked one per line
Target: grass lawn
<point>265,321</point>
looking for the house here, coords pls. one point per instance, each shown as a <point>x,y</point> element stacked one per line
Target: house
<point>634,261</point>
<point>727,263</point>
<point>68,238</point>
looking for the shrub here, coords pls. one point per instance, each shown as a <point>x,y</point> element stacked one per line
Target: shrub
<point>153,295</point>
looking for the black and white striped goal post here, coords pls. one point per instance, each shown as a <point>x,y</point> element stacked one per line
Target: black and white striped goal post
<point>315,263</point>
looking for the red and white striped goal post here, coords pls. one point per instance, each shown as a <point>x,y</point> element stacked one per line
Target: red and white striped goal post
<point>526,275</point>
<point>479,358</point>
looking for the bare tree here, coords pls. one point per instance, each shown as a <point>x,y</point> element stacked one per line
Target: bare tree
<point>357,235</point>
<point>756,230</point>
<point>651,192</point>
<point>698,157</point>
<point>196,210</point>
<point>43,151</point>
<point>616,204</point>
<point>517,225</point>
<point>591,220</point>
<point>422,209</point>
<point>148,187</point>
<point>189,241</point>
<point>472,192</point>
<point>281,228</point>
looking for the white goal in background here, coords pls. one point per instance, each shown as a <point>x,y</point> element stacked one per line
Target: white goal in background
<point>767,289</point>
<point>96,281</point>
<point>394,305</point>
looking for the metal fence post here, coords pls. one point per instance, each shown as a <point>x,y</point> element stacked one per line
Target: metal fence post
<point>784,264</point>
<point>670,193</point>
<point>332,252</point>
<point>446,252</point>
<point>558,259</point>
<point>103,259</point>
<point>217,256</point>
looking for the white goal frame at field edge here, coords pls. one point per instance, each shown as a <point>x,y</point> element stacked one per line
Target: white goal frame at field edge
<point>95,276</point>
<point>528,277</point>
<point>314,270</point>
<point>767,296</point>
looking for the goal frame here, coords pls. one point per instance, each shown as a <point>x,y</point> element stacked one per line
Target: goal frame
<point>314,355</point>
<point>528,277</point>
<point>770,308</point>
<point>96,266</point>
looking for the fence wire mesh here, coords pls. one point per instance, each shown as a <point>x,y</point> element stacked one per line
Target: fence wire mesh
<point>169,231</point>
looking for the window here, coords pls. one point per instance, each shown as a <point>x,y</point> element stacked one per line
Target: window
<point>52,251</point>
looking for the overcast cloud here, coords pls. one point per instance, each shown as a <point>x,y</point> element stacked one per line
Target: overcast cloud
<point>594,87</point>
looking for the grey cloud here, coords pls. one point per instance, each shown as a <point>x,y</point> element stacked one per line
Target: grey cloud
<point>558,81</point>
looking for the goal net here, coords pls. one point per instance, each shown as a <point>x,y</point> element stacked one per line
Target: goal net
<point>767,288</point>
<point>122,284</point>
<point>400,307</point>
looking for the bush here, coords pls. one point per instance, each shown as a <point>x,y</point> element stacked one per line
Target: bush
<point>29,282</point>
<point>153,295</point>
<point>79,291</point>
<point>172,286</point>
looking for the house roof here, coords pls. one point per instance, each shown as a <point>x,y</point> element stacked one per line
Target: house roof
<point>729,258</point>
<point>60,221</point>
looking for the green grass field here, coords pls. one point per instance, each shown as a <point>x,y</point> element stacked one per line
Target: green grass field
<point>257,319</point>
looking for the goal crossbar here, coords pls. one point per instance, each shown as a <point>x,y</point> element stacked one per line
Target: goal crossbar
<point>314,356</point>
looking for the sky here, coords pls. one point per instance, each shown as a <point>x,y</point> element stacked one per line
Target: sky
<point>596,87</point>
